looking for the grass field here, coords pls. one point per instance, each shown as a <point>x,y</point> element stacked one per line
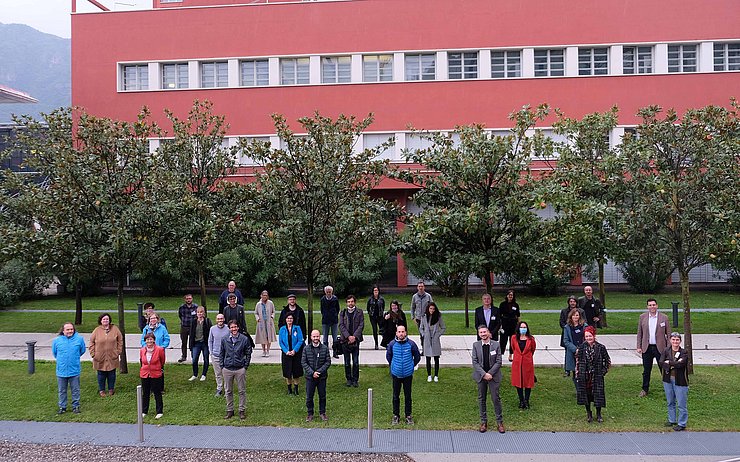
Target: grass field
<point>451,404</point>
<point>540,323</point>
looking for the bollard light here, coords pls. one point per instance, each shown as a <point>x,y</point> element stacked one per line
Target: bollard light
<point>31,356</point>
<point>369,417</point>
<point>675,313</point>
<point>139,412</point>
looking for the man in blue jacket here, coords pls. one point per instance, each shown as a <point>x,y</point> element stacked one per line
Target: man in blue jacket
<point>403,355</point>
<point>68,348</point>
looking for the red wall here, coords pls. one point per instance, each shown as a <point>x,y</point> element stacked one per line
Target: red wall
<point>100,40</point>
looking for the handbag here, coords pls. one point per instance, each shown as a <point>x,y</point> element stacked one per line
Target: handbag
<point>338,347</point>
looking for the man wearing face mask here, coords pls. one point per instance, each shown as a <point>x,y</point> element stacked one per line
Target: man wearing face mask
<point>315,361</point>
<point>217,334</point>
<point>351,323</point>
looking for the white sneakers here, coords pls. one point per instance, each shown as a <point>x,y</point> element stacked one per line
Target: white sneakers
<point>436,379</point>
<point>202,378</point>
<point>429,378</point>
<point>192,379</point>
<point>158,416</point>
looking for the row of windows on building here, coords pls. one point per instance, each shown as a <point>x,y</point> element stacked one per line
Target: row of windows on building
<point>457,65</point>
<point>402,142</point>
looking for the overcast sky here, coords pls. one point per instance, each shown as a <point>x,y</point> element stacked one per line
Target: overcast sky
<point>53,16</point>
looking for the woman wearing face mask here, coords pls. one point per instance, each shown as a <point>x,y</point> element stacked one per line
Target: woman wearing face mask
<point>393,318</point>
<point>675,382</point>
<point>592,364</point>
<point>521,354</point>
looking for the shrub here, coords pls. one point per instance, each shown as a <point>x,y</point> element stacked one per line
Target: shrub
<point>248,267</point>
<point>19,279</point>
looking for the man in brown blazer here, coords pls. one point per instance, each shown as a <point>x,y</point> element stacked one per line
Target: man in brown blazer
<point>653,333</point>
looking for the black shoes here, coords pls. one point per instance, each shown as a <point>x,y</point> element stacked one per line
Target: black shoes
<point>679,428</point>
<point>61,411</point>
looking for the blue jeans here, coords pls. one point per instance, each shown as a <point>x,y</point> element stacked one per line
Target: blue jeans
<point>325,328</point>
<point>676,394</point>
<point>74,385</point>
<point>352,369</point>
<point>110,377</point>
<point>199,347</point>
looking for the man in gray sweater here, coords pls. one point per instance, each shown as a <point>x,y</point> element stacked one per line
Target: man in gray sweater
<point>217,333</point>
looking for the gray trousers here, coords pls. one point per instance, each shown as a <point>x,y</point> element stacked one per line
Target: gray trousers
<point>217,371</point>
<point>241,383</point>
<point>484,388</point>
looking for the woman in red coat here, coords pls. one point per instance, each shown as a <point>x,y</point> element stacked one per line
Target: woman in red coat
<point>521,353</point>
<point>152,360</point>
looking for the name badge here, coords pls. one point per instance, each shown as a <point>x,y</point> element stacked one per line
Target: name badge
<point>493,317</point>
<point>514,308</point>
<point>662,324</point>
<point>578,331</point>
<point>678,353</point>
<point>493,353</point>
<point>192,313</point>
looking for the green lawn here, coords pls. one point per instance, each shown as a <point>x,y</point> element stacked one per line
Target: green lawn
<point>540,323</point>
<point>614,300</point>
<point>451,404</point>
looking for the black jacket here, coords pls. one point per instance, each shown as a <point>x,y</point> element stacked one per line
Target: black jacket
<point>235,355</point>
<point>329,310</point>
<point>236,313</point>
<point>207,324</point>
<point>493,326</point>
<point>670,362</point>
<point>299,318</point>
<point>316,359</point>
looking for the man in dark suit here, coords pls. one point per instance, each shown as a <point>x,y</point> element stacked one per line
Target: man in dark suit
<point>488,315</point>
<point>653,333</point>
<point>487,374</point>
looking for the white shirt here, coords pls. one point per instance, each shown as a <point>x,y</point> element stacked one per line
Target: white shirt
<point>653,325</point>
<point>487,315</point>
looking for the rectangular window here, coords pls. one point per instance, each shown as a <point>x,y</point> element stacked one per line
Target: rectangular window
<point>214,74</point>
<point>174,76</point>
<point>294,71</point>
<point>336,69</point>
<point>377,68</point>
<point>421,66</point>
<point>136,77</point>
<point>506,64</point>
<point>682,58</point>
<point>593,61</point>
<point>373,140</point>
<point>549,63</point>
<point>637,60</point>
<point>462,65</point>
<point>727,56</point>
<point>254,73</point>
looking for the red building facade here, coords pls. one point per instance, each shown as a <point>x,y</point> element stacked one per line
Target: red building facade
<point>431,64</point>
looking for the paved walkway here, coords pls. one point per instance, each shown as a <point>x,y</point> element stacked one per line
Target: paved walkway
<point>384,441</point>
<point>709,349</point>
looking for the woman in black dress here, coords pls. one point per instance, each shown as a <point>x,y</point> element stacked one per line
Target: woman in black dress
<point>510,313</point>
<point>392,319</point>
<point>291,344</point>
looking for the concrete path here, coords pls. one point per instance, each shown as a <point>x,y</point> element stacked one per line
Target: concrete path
<point>433,444</point>
<point>709,349</point>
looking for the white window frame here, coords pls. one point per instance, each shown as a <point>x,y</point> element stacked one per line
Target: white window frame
<point>462,65</point>
<point>640,57</point>
<point>506,64</point>
<point>295,71</point>
<point>679,58</point>
<point>417,66</point>
<point>726,56</point>
<point>140,78</point>
<point>181,76</point>
<point>553,58</point>
<point>258,69</point>
<point>214,74</point>
<point>593,61</point>
<point>377,68</point>
<point>336,69</point>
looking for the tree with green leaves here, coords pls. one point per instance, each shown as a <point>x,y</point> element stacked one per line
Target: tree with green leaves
<point>582,196</point>
<point>681,185</point>
<point>312,205</point>
<point>105,204</point>
<point>478,198</point>
<point>201,163</point>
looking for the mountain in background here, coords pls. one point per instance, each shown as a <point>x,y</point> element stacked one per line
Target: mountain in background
<point>35,63</point>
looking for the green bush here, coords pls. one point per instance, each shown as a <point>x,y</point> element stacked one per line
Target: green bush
<point>450,280</point>
<point>646,277</point>
<point>164,278</point>
<point>248,267</point>
<point>19,279</point>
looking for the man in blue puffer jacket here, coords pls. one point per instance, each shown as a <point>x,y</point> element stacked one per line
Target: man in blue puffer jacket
<point>403,355</point>
<point>68,348</point>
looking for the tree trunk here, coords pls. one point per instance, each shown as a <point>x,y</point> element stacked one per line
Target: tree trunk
<point>488,280</point>
<point>309,304</point>
<point>78,303</point>
<point>202,284</point>
<point>122,324</point>
<point>467,313</point>
<point>602,292</point>
<point>687,343</point>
